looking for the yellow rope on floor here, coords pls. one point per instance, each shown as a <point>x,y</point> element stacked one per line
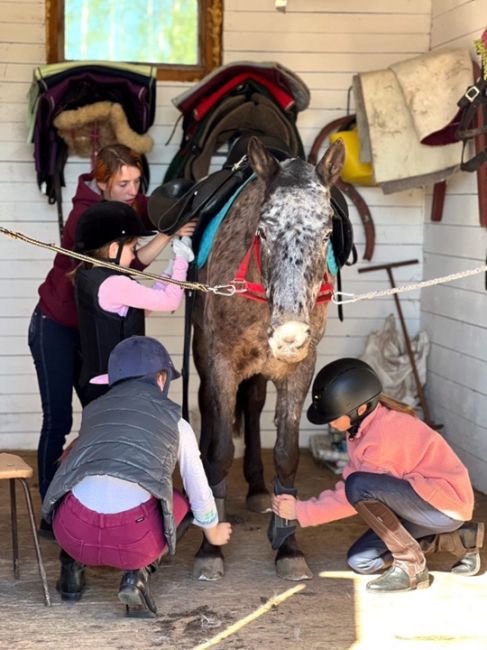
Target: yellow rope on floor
<point>272,602</point>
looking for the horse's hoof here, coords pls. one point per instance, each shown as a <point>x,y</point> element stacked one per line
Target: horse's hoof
<point>293,568</point>
<point>259,502</point>
<point>208,568</point>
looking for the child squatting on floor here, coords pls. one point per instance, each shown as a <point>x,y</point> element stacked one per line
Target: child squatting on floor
<point>402,479</point>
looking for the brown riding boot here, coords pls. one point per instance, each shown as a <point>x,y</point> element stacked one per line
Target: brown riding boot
<point>408,570</point>
<point>464,543</point>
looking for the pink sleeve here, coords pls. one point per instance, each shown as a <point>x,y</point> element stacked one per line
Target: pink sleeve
<point>173,292</point>
<point>330,505</point>
<point>118,292</point>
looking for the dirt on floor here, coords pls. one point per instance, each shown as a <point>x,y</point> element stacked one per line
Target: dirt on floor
<point>333,611</point>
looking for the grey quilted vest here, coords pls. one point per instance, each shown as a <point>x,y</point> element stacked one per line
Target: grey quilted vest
<point>131,433</point>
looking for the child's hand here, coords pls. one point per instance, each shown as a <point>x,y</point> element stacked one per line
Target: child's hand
<point>219,534</point>
<point>284,505</point>
<point>188,229</point>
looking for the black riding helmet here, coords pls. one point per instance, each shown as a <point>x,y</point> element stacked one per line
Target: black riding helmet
<point>340,388</point>
<point>105,222</point>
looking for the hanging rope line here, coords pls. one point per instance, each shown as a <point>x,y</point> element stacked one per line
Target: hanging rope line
<point>223,289</point>
<point>406,287</point>
<point>238,286</point>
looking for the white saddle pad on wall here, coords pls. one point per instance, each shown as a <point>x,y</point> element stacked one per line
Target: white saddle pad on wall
<point>398,106</point>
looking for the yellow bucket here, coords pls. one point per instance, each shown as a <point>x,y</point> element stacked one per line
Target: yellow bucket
<point>354,170</point>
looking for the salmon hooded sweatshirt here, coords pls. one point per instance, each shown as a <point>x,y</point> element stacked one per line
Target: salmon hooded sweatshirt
<point>399,445</point>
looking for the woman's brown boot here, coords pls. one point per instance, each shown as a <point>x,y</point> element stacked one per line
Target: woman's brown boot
<point>464,543</point>
<point>408,570</point>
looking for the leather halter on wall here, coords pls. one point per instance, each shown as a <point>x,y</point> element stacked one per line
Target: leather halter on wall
<point>474,104</point>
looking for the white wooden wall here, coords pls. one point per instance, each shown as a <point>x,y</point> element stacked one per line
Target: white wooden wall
<point>325,42</point>
<point>455,314</point>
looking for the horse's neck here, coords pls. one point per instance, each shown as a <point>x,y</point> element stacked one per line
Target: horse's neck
<point>237,232</point>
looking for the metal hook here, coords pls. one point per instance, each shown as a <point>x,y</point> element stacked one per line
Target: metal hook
<point>230,289</point>
<point>349,93</point>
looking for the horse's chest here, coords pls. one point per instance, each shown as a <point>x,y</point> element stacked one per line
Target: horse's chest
<point>251,356</point>
<point>237,317</point>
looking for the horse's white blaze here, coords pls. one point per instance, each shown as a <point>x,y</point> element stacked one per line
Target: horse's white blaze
<point>289,342</point>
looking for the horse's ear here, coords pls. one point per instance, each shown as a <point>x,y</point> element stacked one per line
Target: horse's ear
<point>261,160</point>
<point>330,166</point>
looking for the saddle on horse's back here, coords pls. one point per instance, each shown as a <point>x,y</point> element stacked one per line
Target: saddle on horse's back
<point>178,201</point>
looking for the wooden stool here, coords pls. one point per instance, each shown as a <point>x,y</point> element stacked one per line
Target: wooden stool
<point>14,468</point>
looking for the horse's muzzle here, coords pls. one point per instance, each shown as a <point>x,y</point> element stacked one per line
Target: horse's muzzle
<point>290,341</point>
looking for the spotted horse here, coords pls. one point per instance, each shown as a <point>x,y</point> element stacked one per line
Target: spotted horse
<point>275,242</point>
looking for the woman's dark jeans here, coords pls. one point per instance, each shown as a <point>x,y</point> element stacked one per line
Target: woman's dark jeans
<point>417,516</point>
<point>55,350</point>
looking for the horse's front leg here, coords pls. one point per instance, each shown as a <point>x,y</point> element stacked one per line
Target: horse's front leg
<point>290,561</point>
<point>217,403</point>
<point>250,402</point>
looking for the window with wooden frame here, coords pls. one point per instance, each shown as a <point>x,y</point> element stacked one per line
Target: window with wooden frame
<point>181,37</point>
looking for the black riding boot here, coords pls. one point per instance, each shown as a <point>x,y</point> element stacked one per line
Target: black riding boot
<point>408,570</point>
<point>71,583</point>
<point>135,592</point>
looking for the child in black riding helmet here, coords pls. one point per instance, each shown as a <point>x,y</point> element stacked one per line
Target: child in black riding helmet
<point>112,500</point>
<point>402,478</point>
<point>111,305</point>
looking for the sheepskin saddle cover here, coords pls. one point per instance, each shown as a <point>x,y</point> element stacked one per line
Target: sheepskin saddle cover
<point>89,128</point>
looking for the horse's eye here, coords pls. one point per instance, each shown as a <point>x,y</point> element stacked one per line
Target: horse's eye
<point>261,234</point>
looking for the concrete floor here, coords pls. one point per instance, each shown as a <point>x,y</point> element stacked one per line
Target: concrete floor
<point>332,612</point>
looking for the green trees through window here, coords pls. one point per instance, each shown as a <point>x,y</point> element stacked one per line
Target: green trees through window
<point>139,31</point>
<point>181,37</point>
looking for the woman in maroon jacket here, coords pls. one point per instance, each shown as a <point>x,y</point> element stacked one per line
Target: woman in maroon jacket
<point>53,331</point>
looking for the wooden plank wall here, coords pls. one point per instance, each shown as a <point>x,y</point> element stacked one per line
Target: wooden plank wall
<point>323,41</point>
<point>455,314</point>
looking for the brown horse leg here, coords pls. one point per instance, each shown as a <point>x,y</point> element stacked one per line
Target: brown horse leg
<point>250,401</point>
<point>290,561</point>
<point>217,408</point>
<point>209,562</point>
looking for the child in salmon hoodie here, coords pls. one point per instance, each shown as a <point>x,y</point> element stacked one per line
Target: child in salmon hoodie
<point>402,478</point>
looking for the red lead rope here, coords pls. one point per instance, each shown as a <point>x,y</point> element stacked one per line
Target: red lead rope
<point>255,291</point>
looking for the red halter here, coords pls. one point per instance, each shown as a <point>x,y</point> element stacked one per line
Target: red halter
<point>255,291</point>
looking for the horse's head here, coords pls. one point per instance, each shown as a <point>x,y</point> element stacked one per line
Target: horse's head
<point>295,225</point>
